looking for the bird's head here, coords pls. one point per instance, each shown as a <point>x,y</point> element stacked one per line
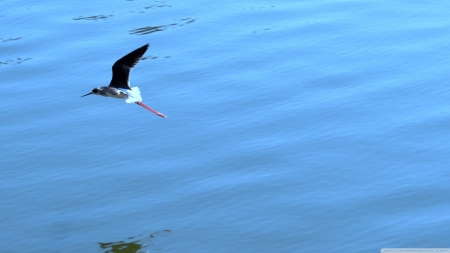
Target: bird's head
<point>94,91</point>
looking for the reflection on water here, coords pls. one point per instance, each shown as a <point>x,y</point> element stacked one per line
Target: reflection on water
<point>122,247</point>
<point>139,244</point>
<point>152,29</point>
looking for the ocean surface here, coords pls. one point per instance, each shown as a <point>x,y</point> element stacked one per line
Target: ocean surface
<point>293,126</point>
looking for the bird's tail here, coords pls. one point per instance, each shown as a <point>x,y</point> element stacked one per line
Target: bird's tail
<point>133,95</point>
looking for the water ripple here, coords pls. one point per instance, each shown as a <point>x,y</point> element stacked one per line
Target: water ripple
<point>10,39</point>
<point>152,29</point>
<point>95,18</point>
<point>157,6</point>
<point>14,61</point>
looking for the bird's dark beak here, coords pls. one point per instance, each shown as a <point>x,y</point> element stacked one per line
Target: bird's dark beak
<point>87,94</point>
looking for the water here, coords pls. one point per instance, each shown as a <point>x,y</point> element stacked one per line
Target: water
<point>294,126</point>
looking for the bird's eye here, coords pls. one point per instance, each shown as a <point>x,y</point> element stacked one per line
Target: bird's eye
<point>94,90</point>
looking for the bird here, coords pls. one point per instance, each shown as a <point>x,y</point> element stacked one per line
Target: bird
<point>119,87</point>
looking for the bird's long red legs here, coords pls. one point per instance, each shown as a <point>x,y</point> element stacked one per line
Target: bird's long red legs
<point>150,109</point>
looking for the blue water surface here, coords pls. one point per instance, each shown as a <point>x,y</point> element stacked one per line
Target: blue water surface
<point>293,126</point>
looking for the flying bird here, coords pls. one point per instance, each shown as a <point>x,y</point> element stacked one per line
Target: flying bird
<point>119,87</point>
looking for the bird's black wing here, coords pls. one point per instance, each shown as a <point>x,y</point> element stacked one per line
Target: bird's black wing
<point>122,67</point>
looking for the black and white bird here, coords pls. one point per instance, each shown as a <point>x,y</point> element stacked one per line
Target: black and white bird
<point>120,84</point>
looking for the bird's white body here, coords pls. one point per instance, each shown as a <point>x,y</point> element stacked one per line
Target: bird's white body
<point>133,95</point>
<point>130,96</point>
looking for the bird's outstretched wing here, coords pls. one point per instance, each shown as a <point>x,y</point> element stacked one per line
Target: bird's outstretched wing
<point>122,67</point>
